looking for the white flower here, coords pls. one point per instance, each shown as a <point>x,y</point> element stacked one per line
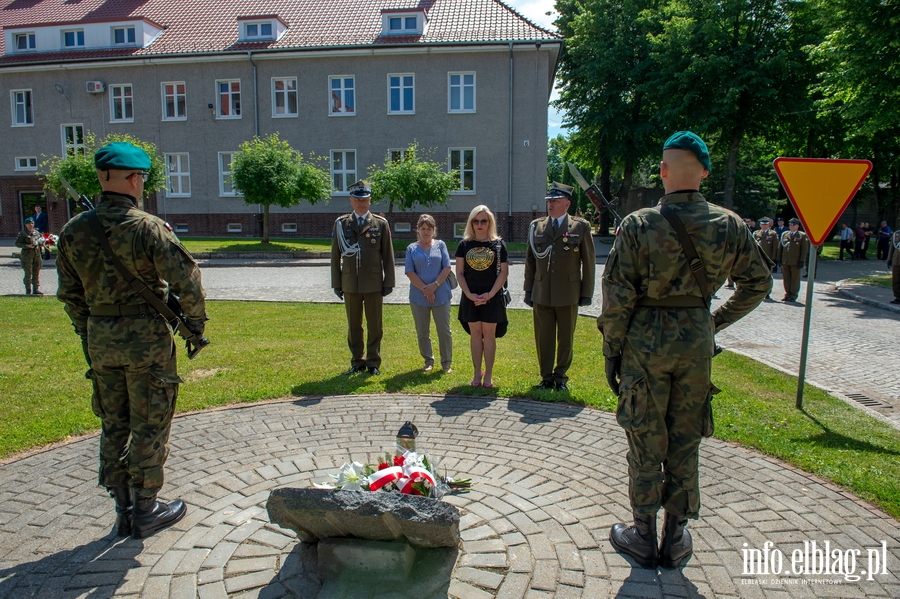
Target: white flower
<point>351,477</point>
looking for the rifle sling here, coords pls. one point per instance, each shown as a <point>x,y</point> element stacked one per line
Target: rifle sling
<point>696,264</point>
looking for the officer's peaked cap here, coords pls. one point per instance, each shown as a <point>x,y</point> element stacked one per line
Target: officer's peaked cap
<point>794,221</point>
<point>121,156</point>
<point>765,220</point>
<point>559,190</point>
<point>361,189</point>
<point>685,140</point>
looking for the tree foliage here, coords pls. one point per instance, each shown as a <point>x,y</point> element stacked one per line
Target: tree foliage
<point>269,171</point>
<point>411,181</point>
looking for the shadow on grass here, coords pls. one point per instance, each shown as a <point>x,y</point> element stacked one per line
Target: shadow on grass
<point>830,439</point>
<point>340,384</point>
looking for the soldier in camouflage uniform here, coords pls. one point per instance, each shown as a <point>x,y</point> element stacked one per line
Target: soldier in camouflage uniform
<point>362,273</point>
<point>794,252</point>
<point>658,341</point>
<point>29,240</point>
<point>129,348</point>
<point>893,262</point>
<point>559,277</point>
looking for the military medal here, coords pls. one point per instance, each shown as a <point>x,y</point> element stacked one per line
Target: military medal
<point>374,241</point>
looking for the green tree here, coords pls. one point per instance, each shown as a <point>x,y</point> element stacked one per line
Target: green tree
<point>269,171</point>
<point>78,168</point>
<point>412,180</point>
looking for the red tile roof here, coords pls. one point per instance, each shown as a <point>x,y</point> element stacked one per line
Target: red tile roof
<point>212,25</point>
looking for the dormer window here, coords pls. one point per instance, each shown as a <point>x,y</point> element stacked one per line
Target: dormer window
<point>398,24</point>
<point>402,22</point>
<point>73,38</point>
<point>123,36</point>
<point>25,42</point>
<point>258,30</point>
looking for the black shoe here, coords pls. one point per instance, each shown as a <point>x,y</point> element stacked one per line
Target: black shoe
<point>124,509</point>
<point>676,547</point>
<point>374,370</point>
<point>151,516</point>
<point>638,541</point>
<point>547,385</point>
<point>895,301</point>
<point>562,387</point>
<point>355,370</point>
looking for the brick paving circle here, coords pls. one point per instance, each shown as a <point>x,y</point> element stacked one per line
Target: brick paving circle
<point>549,482</point>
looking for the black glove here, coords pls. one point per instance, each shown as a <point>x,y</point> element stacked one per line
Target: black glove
<point>888,264</point>
<point>614,373</point>
<point>585,301</point>
<point>800,264</point>
<point>195,326</point>
<point>528,301</point>
<point>338,292</point>
<point>386,291</point>
<point>718,350</point>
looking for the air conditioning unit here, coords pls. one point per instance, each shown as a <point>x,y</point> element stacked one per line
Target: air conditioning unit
<point>95,87</point>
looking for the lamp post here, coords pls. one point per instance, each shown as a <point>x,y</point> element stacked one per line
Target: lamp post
<point>406,438</point>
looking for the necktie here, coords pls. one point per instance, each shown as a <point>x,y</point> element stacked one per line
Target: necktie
<point>555,227</point>
<point>360,221</point>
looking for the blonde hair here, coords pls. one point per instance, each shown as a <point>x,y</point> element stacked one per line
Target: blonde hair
<point>426,219</point>
<point>492,223</point>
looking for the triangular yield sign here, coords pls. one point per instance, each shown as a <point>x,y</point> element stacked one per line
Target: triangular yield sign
<point>820,190</point>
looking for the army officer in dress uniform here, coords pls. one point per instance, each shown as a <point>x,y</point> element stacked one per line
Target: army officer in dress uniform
<point>768,241</point>
<point>794,252</point>
<point>362,273</point>
<point>559,277</point>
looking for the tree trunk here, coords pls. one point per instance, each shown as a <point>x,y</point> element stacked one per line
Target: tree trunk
<point>734,145</point>
<point>265,224</point>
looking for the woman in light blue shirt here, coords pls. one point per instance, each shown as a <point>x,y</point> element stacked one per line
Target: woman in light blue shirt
<point>428,266</point>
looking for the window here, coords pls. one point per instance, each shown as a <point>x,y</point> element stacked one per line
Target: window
<point>459,230</point>
<point>284,97</point>
<point>26,163</point>
<point>258,30</point>
<point>402,227</point>
<point>343,100</point>
<point>123,35</point>
<point>181,228</point>
<point>225,188</point>
<point>229,99</point>
<point>178,176</point>
<point>234,227</point>
<point>22,112</point>
<point>343,169</point>
<point>393,23</point>
<point>174,101</point>
<point>403,24</point>
<point>73,39</point>
<point>462,160</point>
<point>396,156</point>
<point>401,94</point>
<point>462,92</point>
<point>25,42</point>
<point>121,108</point>
<point>72,139</point>
<point>288,227</point>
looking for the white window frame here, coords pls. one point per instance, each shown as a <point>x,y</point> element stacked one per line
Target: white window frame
<point>473,170</point>
<point>342,95</point>
<point>286,94</point>
<point>26,163</point>
<point>30,42</point>
<point>396,155</point>
<point>349,175</point>
<point>181,227</point>
<point>225,173</point>
<point>245,30</point>
<point>27,107</point>
<point>125,29</point>
<point>181,175</point>
<point>418,25</point>
<point>121,95</point>
<point>234,228</point>
<point>461,86</point>
<point>288,227</point>
<point>231,94</point>
<point>77,38</point>
<point>75,147</point>
<point>177,99</point>
<point>401,87</point>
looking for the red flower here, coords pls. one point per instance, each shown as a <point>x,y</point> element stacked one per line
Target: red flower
<point>398,460</point>
<point>383,465</point>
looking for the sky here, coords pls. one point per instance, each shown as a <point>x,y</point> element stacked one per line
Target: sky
<point>536,11</point>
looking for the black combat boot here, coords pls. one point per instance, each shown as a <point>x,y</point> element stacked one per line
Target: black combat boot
<point>36,291</point>
<point>27,289</point>
<point>151,516</point>
<point>676,546</point>
<point>124,509</point>
<point>638,541</point>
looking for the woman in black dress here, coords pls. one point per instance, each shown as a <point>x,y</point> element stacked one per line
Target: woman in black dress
<point>482,266</point>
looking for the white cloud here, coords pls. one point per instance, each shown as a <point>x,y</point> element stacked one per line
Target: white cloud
<point>535,10</point>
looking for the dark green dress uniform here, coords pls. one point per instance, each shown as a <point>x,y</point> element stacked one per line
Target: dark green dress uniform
<point>30,256</point>
<point>557,282</point>
<point>893,261</point>
<point>769,243</point>
<point>362,265</point>
<point>794,250</point>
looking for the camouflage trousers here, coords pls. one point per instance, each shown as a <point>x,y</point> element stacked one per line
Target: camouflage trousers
<point>31,264</point>
<point>665,408</point>
<point>135,387</point>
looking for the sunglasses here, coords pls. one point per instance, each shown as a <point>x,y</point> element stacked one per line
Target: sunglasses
<point>144,175</point>
<point>480,221</point>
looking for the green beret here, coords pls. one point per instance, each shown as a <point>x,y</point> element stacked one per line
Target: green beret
<point>29,220</point>
<point>121,156</point>
<point>685,140</point>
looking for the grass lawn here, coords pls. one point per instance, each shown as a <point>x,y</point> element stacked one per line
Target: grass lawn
<point>879,280</point>
<point>47,398</point>
<point>254,244</point>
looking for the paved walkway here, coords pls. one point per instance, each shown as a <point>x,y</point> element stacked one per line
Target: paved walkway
<point>549,481</point>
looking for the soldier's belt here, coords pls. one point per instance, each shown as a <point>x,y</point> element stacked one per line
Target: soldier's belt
<point>675,301</point>
<point>122,310</point>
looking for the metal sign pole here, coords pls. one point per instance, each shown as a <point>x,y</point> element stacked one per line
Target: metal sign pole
<point>807,316</point>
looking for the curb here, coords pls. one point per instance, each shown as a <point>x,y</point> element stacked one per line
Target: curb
<point>840,287</point>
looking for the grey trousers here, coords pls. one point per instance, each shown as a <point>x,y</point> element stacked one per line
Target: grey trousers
<point>422,317</point>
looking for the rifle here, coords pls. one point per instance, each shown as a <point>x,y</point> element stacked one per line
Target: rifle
<point>83,200</point>
<point>595,196</point>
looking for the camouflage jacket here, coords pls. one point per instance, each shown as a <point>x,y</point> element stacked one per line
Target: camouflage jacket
<point>143,243</point>
<point>647,260</point>
<point>894,253</point>
<point>25,239</point>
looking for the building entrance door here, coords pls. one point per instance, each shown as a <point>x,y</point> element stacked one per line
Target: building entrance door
<point>28,200</point>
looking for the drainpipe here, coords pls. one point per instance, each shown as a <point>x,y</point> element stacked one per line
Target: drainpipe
<point>262,231</point>
<point>509,216</point>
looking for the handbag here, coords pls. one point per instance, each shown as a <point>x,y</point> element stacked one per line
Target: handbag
<point>507,298</point>
<point>451,278</point>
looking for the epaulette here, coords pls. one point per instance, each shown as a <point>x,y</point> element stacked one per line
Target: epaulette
<point>580,219</point>
<point>537,220</point>
<point>376,216</point>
